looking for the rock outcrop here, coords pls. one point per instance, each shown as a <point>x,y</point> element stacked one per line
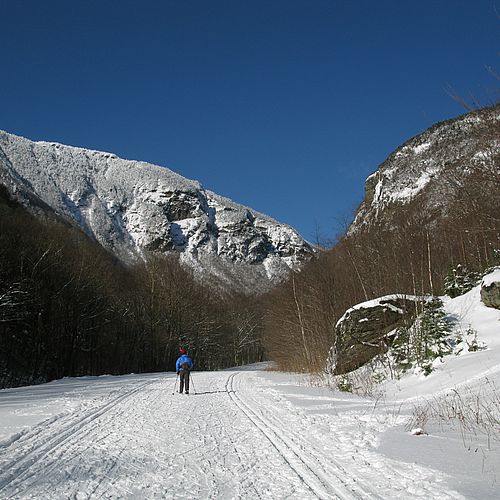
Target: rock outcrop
<point>439,187</point>
<point>366,330</point>
<point>132,207</point>
<point>490,289</point>
<point>429,172</point>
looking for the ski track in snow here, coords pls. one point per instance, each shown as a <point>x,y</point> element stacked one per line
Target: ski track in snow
<point>236,438</point>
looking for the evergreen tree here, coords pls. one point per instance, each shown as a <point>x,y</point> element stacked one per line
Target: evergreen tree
<point>460,280</point>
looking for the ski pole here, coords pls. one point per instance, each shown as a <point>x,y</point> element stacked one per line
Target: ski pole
<point>192,383</point>
<point>175,385</point>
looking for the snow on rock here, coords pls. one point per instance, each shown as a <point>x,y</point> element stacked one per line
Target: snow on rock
<point>387,301</point>
<point>421,148</point>
<point>366,330</point>
<point>132,207</point>
<point>422,164</point>
<point>489,279</point>
<point>490,289</point>
<point>418,431</point>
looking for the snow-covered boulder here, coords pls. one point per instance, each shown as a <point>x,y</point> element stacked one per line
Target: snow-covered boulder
<point>490,289</point>
<point>366,330</point>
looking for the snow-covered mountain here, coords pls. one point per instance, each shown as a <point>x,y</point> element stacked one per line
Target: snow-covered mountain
<point>132,207</point>
<point>430,170</point>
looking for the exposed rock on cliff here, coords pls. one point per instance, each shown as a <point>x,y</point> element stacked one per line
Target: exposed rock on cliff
<point>365,330</point>
<point>132,207</point>
<point>430,171</point>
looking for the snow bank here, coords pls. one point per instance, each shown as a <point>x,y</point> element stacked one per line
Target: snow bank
<point>380,301</point>
<point>491,278</point>
<point>467,312</point>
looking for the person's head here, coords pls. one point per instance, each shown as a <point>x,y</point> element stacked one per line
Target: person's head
<point>182,350</point>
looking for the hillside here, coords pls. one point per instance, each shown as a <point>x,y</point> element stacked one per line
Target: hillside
<point>430,213</point>
<point>132,208</point>
<point>434,172</point>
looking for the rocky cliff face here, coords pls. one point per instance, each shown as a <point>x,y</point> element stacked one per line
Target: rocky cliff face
<point>430,170</point>
<point>367,329</point>
<point>132,207</point>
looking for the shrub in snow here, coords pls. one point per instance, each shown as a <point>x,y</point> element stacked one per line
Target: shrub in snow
<point>470,340</point>
<point>460,280</point>
<point>428,338</point>
<point>344,384</point>
<point>474,409</point>
<point>365,381</point>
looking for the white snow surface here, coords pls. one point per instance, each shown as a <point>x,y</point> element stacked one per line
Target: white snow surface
<point>493,277</point>
<point>242,433</point>
<point>470,378</point>
<point>251,433</point>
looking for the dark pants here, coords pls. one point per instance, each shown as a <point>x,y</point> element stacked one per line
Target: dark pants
<point>184,376</point>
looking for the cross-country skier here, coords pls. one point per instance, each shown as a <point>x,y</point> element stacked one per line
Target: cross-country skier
<point>183,366</point>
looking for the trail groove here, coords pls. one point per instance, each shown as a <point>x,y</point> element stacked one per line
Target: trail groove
<point>238,437</point>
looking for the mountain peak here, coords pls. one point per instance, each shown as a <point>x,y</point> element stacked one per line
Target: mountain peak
<point>132,208</point>
<point>431,165</point>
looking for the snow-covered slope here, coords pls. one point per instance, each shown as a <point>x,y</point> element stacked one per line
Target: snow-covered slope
<point>131,207</point>
<point>466,312</point>
<point>432,168</point>
<point>242,433</point>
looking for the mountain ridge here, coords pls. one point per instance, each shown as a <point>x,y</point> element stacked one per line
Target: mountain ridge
<point>432,165</point>
<point>133,207</point>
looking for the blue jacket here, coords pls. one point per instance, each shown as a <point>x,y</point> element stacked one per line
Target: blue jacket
<point>183,359</point>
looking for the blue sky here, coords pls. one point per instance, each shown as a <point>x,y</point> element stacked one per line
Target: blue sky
<point>285,106</point>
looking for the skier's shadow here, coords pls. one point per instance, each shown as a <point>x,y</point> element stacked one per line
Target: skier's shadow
<point>211,392</point>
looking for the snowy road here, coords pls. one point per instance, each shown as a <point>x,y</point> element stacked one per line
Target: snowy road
<point>239,436</point>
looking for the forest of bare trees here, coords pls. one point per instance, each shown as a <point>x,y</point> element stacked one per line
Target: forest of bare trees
<point>69,308</point>
<point>411,254</point>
